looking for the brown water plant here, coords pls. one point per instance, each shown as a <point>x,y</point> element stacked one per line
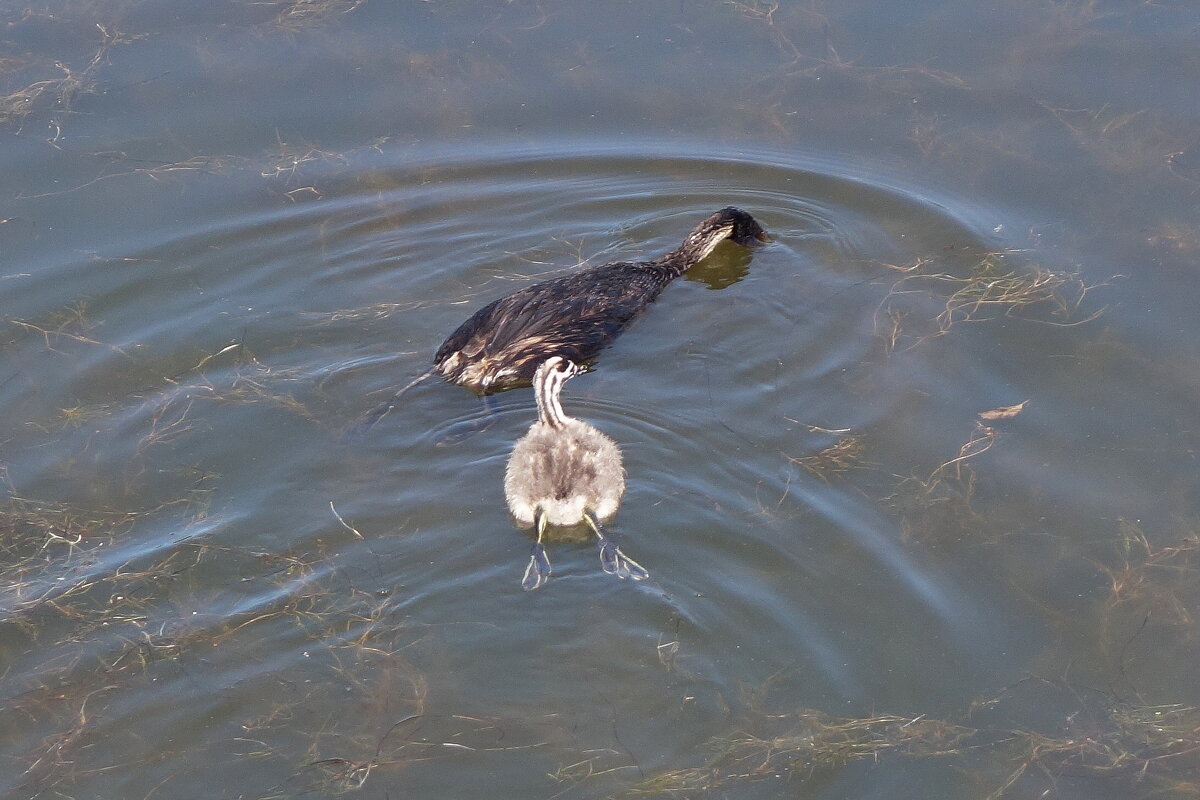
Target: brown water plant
<point>1156,747</point>
<point>1153,592</point>
<point>990,289</point>
<point>66,325</point>
<point>836,459</point>
<point>59,85</point>
<point>1163,578</point>
<point>296,16</point>
<point>42,542</point>
<point>1121,140</point>
<point>801,743</point>
<point>231,375</point>
<point>78,622</point>
<point>937,508</point>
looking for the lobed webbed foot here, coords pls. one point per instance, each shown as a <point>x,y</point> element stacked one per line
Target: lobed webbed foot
<point>538,571</point>
<point>628,568</point>
<point>610,556</point>
<point>614,562</point>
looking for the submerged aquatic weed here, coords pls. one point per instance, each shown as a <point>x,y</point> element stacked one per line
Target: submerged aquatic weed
<point>938,508</point>
<point>1150,607</point>
<point>844,454</point>
<point>1157,745</point>
<point>991,288</point>
<point>818,740</point>
<point>1119,140</point>
<point>45,548</point>
<point>679,782</point>
<point>93,631</point>
<point>67,325</point>
<point>801,743</point>
<point>295,16</point>
<point>836,459</point>
<point>82,612</point>
<point>58,84</point>
<point>1163,578</point>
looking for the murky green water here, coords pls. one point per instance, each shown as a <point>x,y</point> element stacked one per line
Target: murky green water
<point>227,230</point>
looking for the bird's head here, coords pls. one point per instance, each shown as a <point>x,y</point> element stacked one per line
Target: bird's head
<point>743,228</point>
<point>559,367</point>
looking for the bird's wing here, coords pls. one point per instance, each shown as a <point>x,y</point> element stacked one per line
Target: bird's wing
<point>573,316</point>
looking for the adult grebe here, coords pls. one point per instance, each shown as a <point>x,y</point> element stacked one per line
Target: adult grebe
<point>564,472</point>
<point>574,316</point>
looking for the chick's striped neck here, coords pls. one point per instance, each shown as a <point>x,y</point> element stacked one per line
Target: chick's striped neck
<point>547,386</point>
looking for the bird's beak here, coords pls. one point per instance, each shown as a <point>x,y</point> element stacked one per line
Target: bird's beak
<point>753,240</point>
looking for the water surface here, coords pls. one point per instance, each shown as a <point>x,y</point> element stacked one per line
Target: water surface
<point>230,230</point>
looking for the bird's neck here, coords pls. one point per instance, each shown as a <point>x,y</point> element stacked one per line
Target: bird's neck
<point>695,248</point>
<point>547,392</point>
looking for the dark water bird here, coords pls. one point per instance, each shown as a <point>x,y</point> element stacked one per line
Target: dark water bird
<point>564,472</point>
<point>574,316</point>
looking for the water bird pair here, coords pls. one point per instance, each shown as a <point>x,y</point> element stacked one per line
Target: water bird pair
<point>564,472</point>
